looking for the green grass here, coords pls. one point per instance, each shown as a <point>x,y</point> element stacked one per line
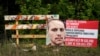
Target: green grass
<point>10,50</point>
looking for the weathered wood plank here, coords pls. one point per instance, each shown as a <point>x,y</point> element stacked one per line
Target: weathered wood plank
<point>30,17</point>
<point>24,26</point>
<point>29,36</point>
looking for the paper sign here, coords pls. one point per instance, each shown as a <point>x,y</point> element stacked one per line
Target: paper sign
<point>81,33</point>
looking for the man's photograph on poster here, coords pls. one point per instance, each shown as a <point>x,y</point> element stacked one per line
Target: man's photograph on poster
<point>55,33</point>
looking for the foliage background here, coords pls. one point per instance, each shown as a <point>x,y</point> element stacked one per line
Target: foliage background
<point>67,9</point>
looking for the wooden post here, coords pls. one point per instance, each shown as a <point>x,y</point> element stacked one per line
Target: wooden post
<point>17,34</point>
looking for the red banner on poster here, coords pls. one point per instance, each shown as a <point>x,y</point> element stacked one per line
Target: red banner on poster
<point>81,33</point>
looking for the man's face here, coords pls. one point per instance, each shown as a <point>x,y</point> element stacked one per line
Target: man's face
<point>56,32</point>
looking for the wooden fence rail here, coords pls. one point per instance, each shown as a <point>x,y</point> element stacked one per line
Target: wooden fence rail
<point>18,26</point>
